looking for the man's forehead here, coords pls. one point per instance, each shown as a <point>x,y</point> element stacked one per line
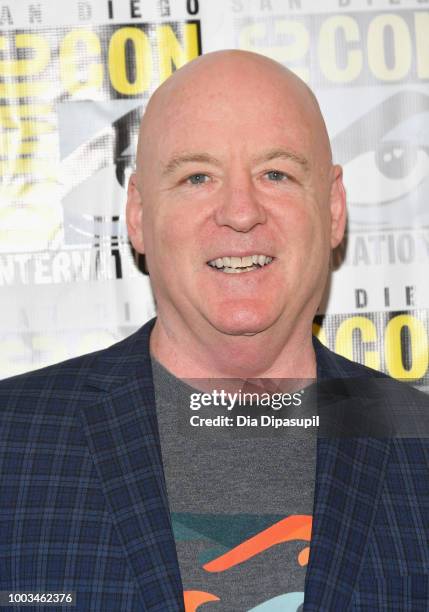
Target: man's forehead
<point>267,122</point>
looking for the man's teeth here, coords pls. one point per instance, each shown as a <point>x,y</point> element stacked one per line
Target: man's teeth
<point>240,264</point>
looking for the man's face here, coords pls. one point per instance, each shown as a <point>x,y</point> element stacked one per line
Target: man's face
<point>235,215</point>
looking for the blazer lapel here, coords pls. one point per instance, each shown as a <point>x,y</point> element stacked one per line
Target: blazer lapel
<point>349,481</point>
<point>122,434</point>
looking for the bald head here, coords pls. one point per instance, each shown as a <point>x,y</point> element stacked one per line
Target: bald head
<point>231,79</point>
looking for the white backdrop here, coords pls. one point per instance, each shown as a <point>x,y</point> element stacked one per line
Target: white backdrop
<point>74,80</point>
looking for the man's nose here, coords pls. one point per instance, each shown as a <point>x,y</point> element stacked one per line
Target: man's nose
<point>240,207</point>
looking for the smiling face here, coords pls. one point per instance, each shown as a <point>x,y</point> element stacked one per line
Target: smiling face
<point>235,202</point>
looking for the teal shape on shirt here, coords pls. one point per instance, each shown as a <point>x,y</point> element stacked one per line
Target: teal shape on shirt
<point>226,530</point>
<point>288,602</point>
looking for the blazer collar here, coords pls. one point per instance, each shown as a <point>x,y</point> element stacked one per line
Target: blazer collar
<point>122,434</point>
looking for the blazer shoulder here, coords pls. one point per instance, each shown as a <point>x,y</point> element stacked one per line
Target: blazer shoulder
<point>366,381</point>
<point>62,386</point>
<point>333,365</point>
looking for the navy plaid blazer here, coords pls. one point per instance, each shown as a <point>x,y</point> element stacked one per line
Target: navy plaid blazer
<point>83,503</point>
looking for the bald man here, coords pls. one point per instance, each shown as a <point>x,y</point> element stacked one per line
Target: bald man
<point>119,487</point>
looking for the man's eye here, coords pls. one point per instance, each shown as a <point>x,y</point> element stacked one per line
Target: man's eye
<point>276,175</point>
<point>198,179</point>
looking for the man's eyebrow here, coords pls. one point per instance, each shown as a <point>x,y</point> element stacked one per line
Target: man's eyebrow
<point>186,158</point>
<point>283,154</point>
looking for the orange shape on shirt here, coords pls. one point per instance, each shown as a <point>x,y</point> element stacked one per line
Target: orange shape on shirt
<point>295,527</point>
<point>193,599</point>
<point>303,556</point>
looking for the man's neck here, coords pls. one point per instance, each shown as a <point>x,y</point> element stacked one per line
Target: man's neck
<point>263,355</point>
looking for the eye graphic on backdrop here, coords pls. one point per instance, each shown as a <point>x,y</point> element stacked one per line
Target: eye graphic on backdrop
<point>97,157</point>
<point>385,158</point>
<point>126,130</point>
<point>388,173</point>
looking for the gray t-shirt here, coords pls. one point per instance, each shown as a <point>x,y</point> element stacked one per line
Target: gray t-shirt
<point>241,507</point>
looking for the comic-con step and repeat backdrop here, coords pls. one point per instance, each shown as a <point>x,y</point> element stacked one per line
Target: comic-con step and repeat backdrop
<point>74,82</point>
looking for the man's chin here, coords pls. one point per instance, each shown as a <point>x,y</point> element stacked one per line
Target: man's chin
<point>242,324</point>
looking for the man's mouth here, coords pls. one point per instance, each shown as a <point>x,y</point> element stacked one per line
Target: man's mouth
<point>234,265</point>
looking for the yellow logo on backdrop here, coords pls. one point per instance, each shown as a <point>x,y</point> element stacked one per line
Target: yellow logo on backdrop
<point>160,43</point>
<point>395,343</point>
<point>356,48</point>
<point>37,69</point>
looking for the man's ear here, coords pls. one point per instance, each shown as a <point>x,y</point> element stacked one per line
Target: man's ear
<point>134,215</point>
<point>338,206</point>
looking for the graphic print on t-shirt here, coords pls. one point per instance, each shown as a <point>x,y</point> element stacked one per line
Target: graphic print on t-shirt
<point>226,543</point>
